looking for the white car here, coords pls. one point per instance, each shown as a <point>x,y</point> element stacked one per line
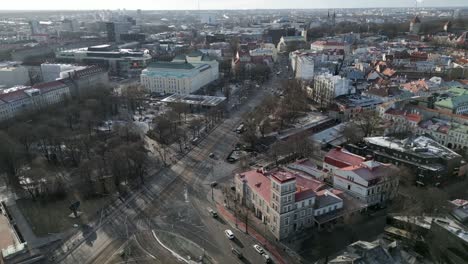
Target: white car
<point>229,234</point>
<point>259,249</point>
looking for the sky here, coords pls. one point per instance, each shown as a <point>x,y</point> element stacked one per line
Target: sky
<point>216,4</point>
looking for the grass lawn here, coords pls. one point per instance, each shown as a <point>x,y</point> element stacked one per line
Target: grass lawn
<point>52,217</point>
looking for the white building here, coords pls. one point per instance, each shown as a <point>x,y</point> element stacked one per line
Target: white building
<point>322,45</point>
<point>371,182</point>
<point>180,77</point>
<point>11,74</point>
<point>327,87</point>
<point>51,72</point>
<point>304,68</point>
<point>291,43</point>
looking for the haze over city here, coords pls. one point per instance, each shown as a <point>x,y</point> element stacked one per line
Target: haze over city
<point>233,131</point>
<point>218,4</point>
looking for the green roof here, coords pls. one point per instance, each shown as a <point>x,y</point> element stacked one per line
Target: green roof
<point>457,97</point>
<point>172,65</point>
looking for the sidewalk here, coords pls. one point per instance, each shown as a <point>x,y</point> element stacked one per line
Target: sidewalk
<point>273,249</point>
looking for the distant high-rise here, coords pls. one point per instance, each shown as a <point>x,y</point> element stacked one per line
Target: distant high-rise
<point>115,29</point>
<point>415,25</point>
<point>35,27</point>
<point>70,25</point>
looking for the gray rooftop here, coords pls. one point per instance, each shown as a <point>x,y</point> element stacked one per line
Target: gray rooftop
<point>192,99</point>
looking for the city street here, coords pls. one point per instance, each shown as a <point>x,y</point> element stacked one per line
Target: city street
<point>174,200</point>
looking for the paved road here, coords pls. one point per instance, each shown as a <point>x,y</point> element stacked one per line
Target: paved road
<point>173,200</point>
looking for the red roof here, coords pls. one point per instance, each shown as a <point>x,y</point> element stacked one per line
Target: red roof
<point>14,96</point>
<point>261,183</point>
<point>282,176</point>
<point>49,86</point>
<point>339,158</point>
<point>304,183</point>
<point>306,194</point>
<point>258,182</point>
<point>370,170</point>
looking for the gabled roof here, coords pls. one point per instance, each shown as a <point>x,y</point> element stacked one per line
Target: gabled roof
<point>13,96</point>
<point>370,170</point>
<point>49,86</point>
<point>341,158</point>
<point>258,182</point>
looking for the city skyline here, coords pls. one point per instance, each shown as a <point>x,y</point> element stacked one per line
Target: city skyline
<point>222,4</point>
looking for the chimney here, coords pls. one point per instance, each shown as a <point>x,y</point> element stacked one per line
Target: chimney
<point>368,157</point>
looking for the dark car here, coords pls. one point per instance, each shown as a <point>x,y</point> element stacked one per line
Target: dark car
<point>237,253</point>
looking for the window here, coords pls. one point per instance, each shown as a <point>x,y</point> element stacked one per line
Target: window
<point>286,221</point>
<point>349,187</point>
<point>303,203</point>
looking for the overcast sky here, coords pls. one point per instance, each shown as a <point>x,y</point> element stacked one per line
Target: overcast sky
<point>216,4</point>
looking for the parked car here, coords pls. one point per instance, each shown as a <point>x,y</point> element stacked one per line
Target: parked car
<point>267,258</point>
<point>237,253</point>
<point>212,155</point>
<point>229,234</point>
<point>258,248</point>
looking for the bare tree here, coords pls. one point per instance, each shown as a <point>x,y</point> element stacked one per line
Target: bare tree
<point>10,158</point>
<point>352,133</point>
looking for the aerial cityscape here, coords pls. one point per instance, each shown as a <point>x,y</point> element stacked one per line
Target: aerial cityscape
<point>203,131</point>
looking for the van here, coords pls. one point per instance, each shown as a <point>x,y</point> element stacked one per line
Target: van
<point>229,234</point>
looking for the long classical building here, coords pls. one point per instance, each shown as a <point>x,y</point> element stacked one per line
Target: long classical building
<point>287,202</point>
<point>22,99</point>
<point>180,76</point>
<point>18,100</point>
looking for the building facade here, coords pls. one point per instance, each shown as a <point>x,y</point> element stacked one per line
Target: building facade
<point>304,69</point>
<point>178,77</point>
<point>19,100</point>
<point>327,87</point>
<point>371,182</point>
<point>285,202</point>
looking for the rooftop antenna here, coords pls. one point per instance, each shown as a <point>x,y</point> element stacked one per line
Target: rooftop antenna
<point>198,5</point>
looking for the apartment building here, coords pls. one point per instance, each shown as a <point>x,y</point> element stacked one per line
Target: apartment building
<point>327,87</point>
<point>286,202</point>
<point>304,68</point>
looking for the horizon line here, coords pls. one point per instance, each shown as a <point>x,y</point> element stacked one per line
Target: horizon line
<point>232,9</point>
